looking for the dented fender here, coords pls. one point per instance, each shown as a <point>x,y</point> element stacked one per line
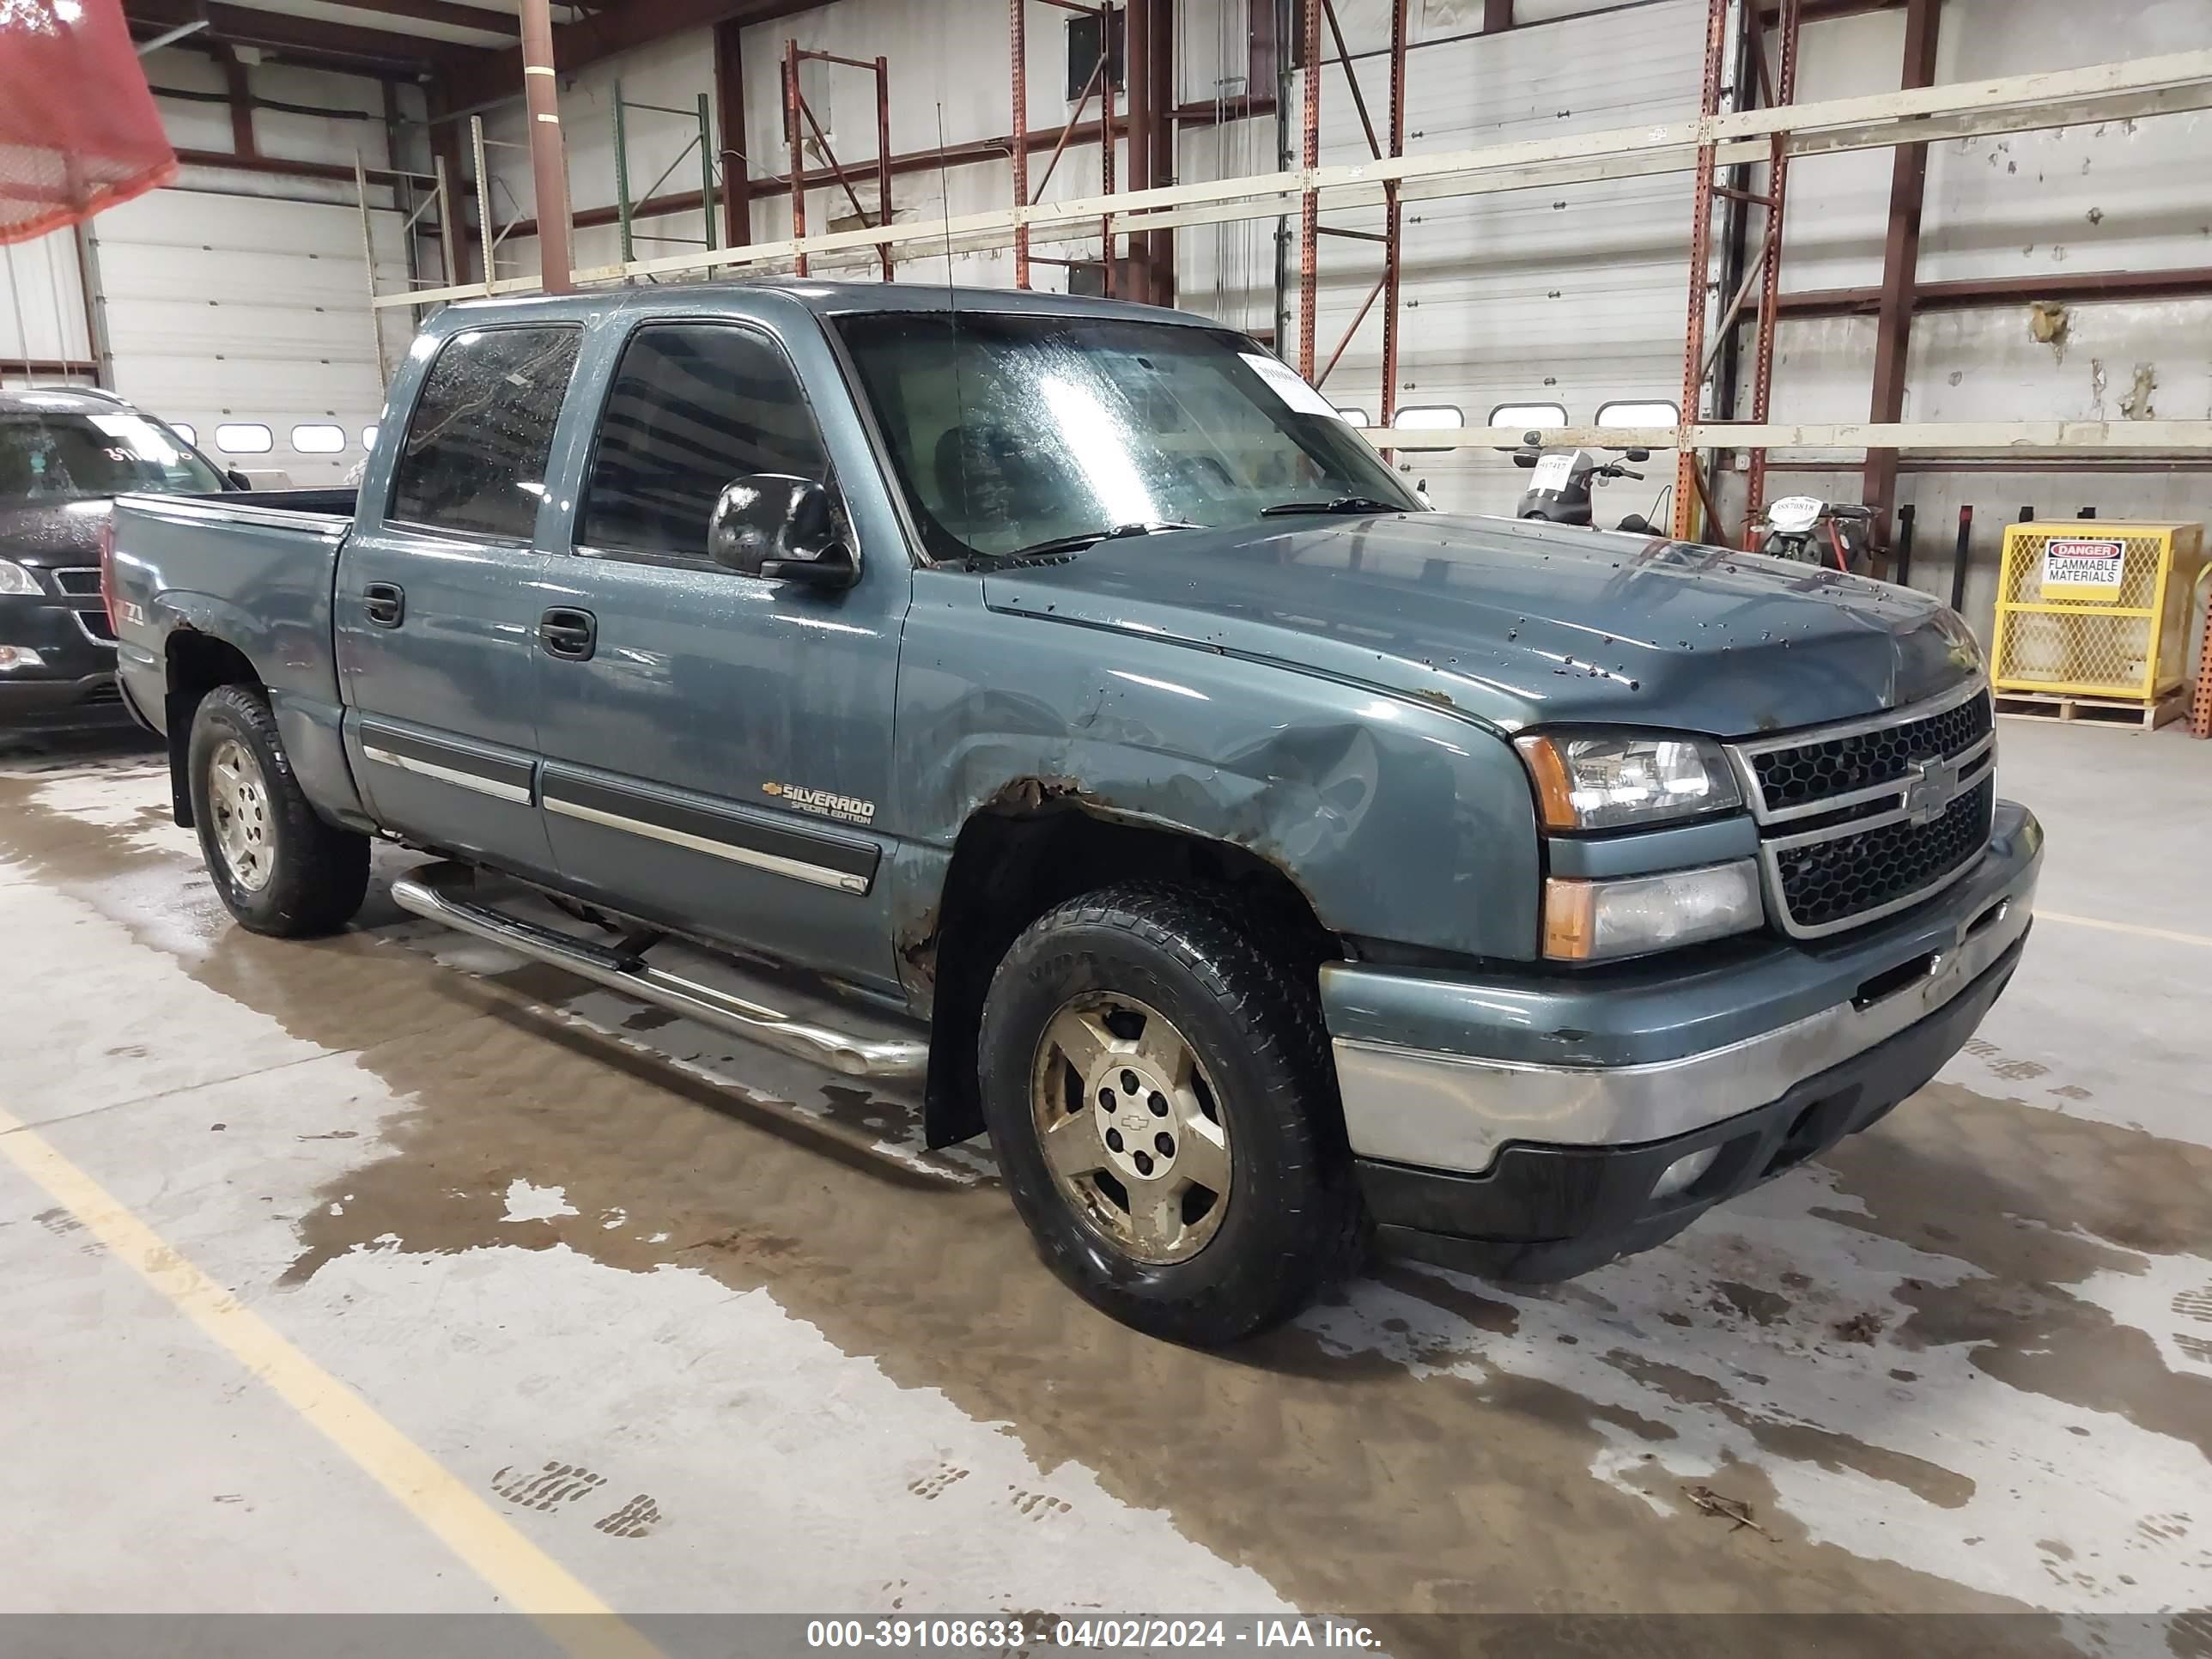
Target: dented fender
<point>1399,818</point>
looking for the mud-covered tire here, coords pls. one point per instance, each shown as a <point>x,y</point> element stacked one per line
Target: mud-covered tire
<point>1250,1014</point>
<point>315,874</point>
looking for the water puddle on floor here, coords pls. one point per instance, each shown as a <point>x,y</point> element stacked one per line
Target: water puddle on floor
<point>1963,1364</point>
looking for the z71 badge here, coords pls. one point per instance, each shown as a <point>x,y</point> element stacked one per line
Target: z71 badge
<point>822,802</point>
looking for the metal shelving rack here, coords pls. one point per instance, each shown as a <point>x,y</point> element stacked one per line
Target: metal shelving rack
<point>1707,143</point>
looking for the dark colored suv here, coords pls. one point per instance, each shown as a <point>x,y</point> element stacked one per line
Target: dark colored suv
<point>65,454</point>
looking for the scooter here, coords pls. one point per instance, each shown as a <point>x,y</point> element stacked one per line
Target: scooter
<point>1560,491</point>
<point>1810,531</point>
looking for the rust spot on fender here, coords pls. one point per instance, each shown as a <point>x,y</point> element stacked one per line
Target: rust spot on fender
<point>916,943</point>
<point>1029,794</point>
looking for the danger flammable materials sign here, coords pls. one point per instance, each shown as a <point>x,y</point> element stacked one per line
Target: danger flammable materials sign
<point>2083,562</point>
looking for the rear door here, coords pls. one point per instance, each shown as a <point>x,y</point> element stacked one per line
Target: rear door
<point>717,760</point>
<point>436,603</point>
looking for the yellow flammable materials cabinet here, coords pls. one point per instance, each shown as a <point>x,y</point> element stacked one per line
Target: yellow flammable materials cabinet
<point>2094,608</point>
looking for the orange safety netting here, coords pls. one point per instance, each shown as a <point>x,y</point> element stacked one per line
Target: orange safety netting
<point>78,128</point>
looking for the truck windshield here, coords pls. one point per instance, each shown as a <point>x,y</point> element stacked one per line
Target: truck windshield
<point>1010,430</point>
<point>52,456</point>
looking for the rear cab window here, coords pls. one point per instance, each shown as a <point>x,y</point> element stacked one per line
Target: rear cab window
<point>473,461</point>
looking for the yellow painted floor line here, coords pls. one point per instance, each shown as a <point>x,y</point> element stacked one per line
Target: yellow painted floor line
<point>2139,931</point>
<point>526,1578</point>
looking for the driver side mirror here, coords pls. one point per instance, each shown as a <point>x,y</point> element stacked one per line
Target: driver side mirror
<point>1638,455</point>
<point>236,479</point>
<point>1526,455</point>
<point>770,524</point>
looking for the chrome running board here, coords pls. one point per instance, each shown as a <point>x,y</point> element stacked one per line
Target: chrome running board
<point>426,892</point>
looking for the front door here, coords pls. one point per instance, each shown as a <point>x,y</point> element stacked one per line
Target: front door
<point>718,750</point>
<point>435,606</point>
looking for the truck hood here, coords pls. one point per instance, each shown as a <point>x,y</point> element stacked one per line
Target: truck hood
<point>44,535</point>
<point>1519,624</point>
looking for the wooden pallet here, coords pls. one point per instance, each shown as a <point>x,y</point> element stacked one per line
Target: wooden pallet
<point>2114,714</point>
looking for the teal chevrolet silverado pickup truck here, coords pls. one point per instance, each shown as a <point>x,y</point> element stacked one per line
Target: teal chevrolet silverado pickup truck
<point>1274,867</point>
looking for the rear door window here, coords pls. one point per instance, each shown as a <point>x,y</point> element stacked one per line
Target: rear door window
<point>474,460</point>
<point>694,407</point>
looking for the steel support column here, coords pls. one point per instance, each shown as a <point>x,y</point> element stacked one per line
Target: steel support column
<point>1689,481</point>
<point>1393,225</point>
<point>729,117</point>
<point>1138,66</point>
<point>549,161</point>
<point>1309,199</point>
<point>1018,33</point>
<point>883,154</point>
<point>238,90</point>
<point>794,151</point>
<point>446,149</point>
<point>1900,265</point>
<point>1160,244</point>
<point>1783,92</point>
<point>1106,145</point>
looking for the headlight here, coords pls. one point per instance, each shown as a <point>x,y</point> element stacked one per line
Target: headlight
<point>1611,781</point>
<point>1592,921</point>
<point>1965,649</point>
<point>13,579</point>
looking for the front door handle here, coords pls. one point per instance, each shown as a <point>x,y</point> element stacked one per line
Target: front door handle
<point>385,603</point>
<point>569,634</point>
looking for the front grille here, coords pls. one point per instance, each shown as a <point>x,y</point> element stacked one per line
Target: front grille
<point>1862,819</point>
<point>105,692</point>
<point>1831,881</point>
<point>96,626</point>
<point>1818,771</point>
<point>78,582</point>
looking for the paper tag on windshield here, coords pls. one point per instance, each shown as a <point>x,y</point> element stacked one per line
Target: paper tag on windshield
<point>1553,472</point>
<point>1283,381</point>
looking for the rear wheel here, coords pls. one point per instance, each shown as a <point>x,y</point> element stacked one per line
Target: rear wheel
<point>278,868</point>
<point>1158,1089</point>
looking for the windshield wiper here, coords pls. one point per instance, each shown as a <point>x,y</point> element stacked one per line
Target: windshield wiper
<point>1334,504</point>
<point>1082,539</point>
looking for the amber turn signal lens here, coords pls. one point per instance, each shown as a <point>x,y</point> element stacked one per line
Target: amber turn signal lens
<point>1570,919</point>
<point>1555,801</point>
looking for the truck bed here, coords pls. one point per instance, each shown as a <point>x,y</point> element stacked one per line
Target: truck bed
<point>253,568</point>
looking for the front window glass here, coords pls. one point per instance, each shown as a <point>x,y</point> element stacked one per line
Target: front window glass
<point>694,407</point>
<point>50,455</point>
<point>1009,430</point>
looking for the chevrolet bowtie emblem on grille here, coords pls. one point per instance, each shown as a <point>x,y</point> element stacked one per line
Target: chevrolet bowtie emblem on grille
<point>1929,787</point>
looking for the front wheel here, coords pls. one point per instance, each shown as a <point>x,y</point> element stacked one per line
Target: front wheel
<point>278,868</point>
<point>1158,1090</point>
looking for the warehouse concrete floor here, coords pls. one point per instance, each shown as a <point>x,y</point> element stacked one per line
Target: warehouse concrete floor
<point>385,1273</point>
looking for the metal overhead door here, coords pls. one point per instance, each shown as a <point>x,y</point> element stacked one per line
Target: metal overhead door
<point>250,312</point>
<point>1570,295</point>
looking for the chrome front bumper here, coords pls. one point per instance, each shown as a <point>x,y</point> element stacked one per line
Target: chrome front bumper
<point>1455,1110</point>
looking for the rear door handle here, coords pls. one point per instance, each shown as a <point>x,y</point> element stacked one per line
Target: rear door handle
<point>569,634</point>
<point>385,604</point>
